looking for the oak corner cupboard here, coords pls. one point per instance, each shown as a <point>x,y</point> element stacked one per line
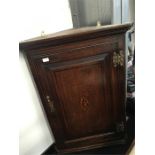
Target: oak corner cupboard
<point>80,76</point>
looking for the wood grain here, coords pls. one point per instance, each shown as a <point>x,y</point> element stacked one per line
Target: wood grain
<point>82,92</point>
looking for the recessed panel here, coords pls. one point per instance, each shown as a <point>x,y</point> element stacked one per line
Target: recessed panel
<point>82,95</point>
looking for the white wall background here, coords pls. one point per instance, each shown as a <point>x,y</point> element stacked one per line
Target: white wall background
<point>36,16</point>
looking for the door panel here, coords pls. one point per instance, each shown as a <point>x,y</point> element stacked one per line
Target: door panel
<point>84,93</point>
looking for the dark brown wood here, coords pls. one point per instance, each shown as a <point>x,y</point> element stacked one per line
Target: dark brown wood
<point>122,149</point>
<point>82,91</point>
<point>73,35</point>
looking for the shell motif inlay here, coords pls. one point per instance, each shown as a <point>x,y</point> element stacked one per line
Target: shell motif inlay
<point>84,103</point>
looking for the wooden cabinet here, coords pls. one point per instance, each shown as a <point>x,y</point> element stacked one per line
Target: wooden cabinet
<point>80,75</point>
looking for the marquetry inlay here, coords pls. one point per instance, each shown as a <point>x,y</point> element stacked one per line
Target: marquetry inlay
<point>84,103</point>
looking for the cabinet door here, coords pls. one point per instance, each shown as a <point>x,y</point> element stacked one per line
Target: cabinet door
<point>83,98</point>
<point>88,94</point>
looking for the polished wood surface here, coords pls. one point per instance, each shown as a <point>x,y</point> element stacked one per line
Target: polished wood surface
<point>82,91</point>
<point>73,35</point>
<point>122,149</point>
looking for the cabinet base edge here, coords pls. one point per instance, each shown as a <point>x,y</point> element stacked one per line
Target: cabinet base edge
<point>90,147</point>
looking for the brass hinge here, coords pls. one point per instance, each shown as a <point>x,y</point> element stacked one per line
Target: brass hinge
<point>118,59</point>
